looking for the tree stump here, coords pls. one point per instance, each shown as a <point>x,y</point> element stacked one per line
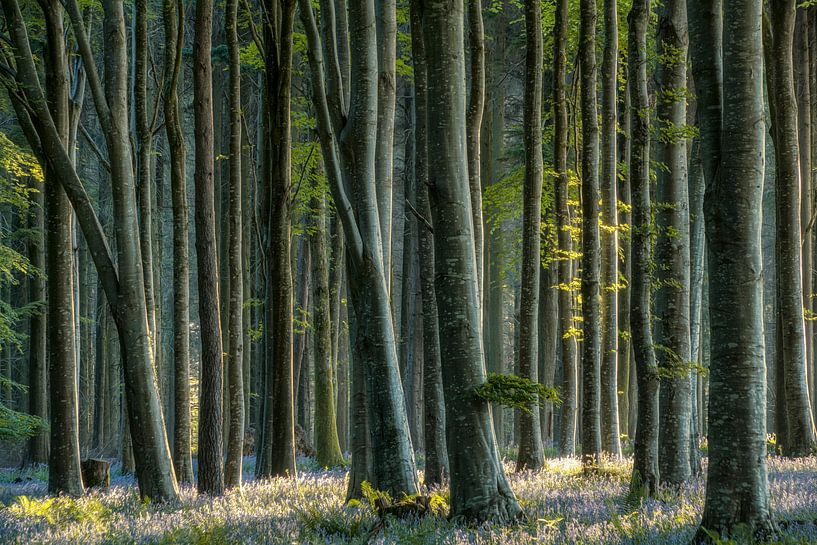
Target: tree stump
<point>302,445</point>
<point>96,473</point>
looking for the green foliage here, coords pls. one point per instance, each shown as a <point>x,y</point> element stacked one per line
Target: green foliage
<point>61,510</point>
<point>517,392</point>
<point>16,425</point>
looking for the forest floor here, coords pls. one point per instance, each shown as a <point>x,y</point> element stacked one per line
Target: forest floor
<point>562,505</point>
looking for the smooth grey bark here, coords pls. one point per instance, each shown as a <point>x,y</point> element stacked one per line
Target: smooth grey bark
<point>567,426</point>
<point>802,75</point>
<point>779,37</point>
<point>326,431</point>
<point>211,441</point>
<point>531,455</point>
<point>182,426</point>
<point>671,333</point>
<point>591,244</point>
<point>436,470</point>
<point>235,441</point>
<point>697,246</point>
<point>386,24</point>
<point>479,489</point>
<point>737,482</point>
<point>610,441</point>
<point>144,150</point>
<point>644,479</point>
<point>491,170</point>
<point>348,145</point>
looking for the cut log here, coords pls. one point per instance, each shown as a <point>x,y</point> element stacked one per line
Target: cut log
<point>96,473</point>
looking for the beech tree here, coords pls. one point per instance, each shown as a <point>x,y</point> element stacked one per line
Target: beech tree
<point>479,488</point>
<point>645,456</point>
<point>727,50</point>
<point>530,431</point>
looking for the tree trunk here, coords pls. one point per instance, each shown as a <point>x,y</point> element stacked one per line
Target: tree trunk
<point>672,248</point>
<point>610,442</point>
<point>279,419</point>
<point>436,470</point>
<point>210,467</point>
<point>182,457</point>
<point>386,23</point>
<point>473,127</point>
<point>737,481</point>
<point>591,249</point>
<point>531,455</point>
<point>567,427</point>
<point>37,347</point>
<point>799,437</point>
<point>235,442</point>
<point>479,489</point>
<point>645,457</point>
<point>326,431</point>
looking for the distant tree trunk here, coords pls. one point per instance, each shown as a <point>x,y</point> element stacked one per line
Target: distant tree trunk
<point>591,249</point>
<point>567,427</point>
<point>737,481</point>
<point>531,455</point>
<point>645,457</point>
<point>473,127</point>
<point>210,467</point>
<point>479,489</point>
<point>802,76</point>
<point>672,248</point>
<point>278,450</point>
<point>37,347</point>
<point>436,470</point>
<point>235,442</point>
<point>326,431</point>
<point>624,349</point>
<point>799,436</point>
<point>609,236</point>
<point>697,246</point>
<point>182,457</point>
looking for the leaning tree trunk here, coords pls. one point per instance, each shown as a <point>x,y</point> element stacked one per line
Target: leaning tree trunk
<point>211,469</point>
<point>591,249</point>
<point>645,456</point>
<point>531,455</point>
<point>567,427</point>
<point>799,436</point>
<point>610,441</point>
<point>479,489</point>
<point>672,248</point>
<point>737,500</point>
